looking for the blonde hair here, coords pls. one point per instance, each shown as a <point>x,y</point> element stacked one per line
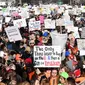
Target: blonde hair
<point>24,83</point>
<point>2,83</point>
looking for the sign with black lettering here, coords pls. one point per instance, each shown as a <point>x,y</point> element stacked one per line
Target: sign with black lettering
<point>13,33</point>
<point>47,56</point>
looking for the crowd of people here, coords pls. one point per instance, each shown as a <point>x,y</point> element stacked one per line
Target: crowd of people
<point>17,66</point>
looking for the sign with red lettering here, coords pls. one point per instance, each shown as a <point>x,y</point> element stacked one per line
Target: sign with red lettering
<point>47,56</point>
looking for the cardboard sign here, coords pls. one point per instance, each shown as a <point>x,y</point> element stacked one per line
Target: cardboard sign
<point>81,44</point>
<point>59,40</point>
<point>49,24</point>
<point>20,23</point>
<point>13,33</point>
<point>34,25</point>
<point>47,56</point>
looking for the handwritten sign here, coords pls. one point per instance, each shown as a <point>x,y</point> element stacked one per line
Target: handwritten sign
<point>47,56</point>
<point>20,23</point>
<point>13,33</point>
<point>49,24</point>
<point>34,25</point>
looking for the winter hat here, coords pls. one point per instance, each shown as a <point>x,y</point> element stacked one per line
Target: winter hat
<point>77,73</point>
<point>28,60</point>
<point>45,34</point>
<point>67,53</point>
<point>64,75</point>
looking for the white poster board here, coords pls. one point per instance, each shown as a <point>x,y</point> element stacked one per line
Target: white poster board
<point>59,40</point>
<point>47,56</point>
<point>34,25</point>
<point>13,33</point>
<point>49,24</point>
<point>20,23</point>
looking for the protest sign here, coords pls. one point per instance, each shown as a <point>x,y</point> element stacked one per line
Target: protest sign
<point>20,23</point>
<point>59,22</point>
<point>7,19</point>
<point>73,29</point>
<point>59,40</point>
<point>81,44</point>
<point>83,32</point>
<point>13,33</point>
<point>24,13</point>
<point>68,23</point>
<point>34,25</point>
<point>49,24</point>
<point>47,56</point>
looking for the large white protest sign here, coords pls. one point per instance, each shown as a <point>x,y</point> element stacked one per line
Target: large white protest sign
<point>49,24</point>
<point>47,56</point>
<point>13,33</point>
<point>20,23</point>
<point>34,25</point>
<point>59,40</point>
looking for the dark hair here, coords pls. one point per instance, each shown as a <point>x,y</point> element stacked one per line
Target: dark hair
<point>71,80</point>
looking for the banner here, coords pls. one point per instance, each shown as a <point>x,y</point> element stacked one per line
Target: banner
<point>20,23</point>
<point>47,56</point>
<point>49,24</point>
<point>34,25</point>
<point>59,40</point>
<point>13,33</point>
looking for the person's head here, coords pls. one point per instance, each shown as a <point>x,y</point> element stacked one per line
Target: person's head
<point>70,81</point>
<point>24,83</point>
<point>63,77</point>
<point>54,73</point>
